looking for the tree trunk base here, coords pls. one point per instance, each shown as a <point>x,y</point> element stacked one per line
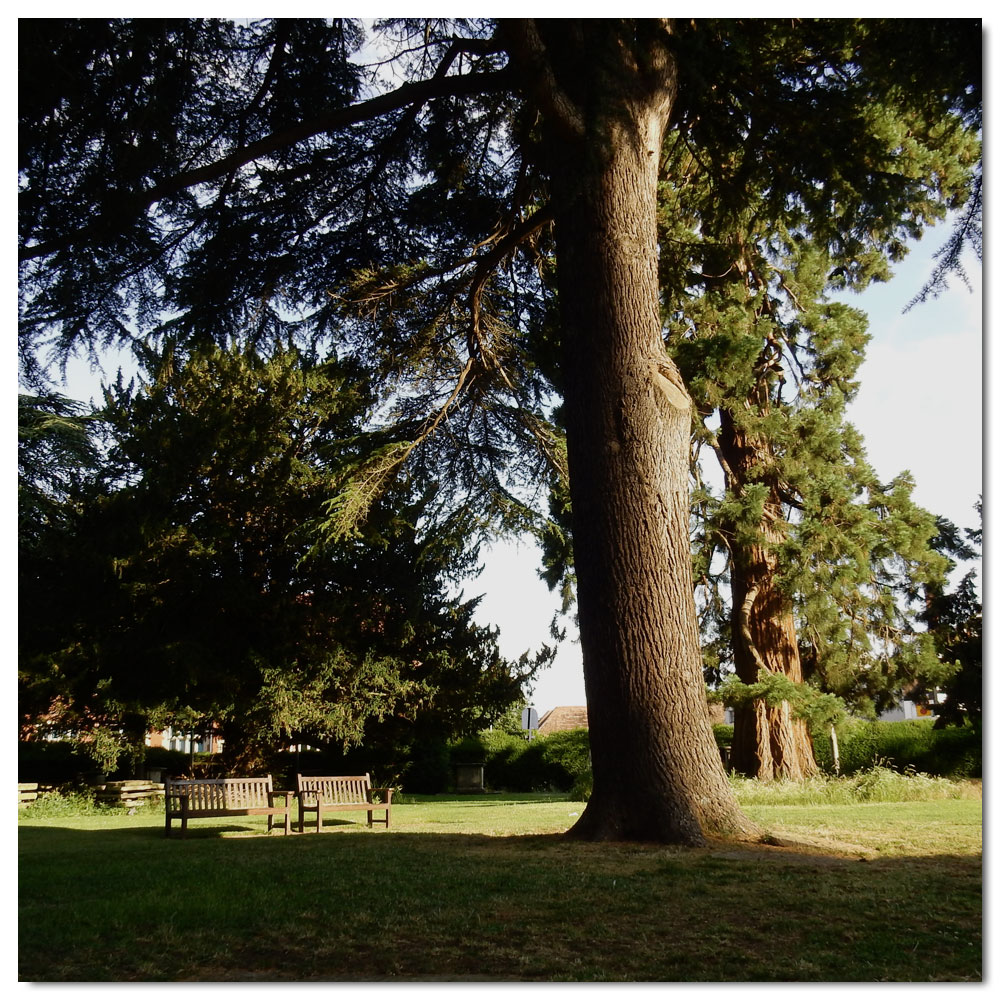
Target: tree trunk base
<point>769,745</point>
<point>661,823</point>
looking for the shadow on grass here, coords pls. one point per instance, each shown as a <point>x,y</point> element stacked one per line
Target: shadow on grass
<point>397,905</point>
<point>491,799</point>
<point>197,830</point>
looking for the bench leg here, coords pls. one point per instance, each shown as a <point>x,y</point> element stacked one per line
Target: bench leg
<point>303,809</point>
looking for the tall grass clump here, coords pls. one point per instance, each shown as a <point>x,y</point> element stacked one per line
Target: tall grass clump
<point>66,802</point>
<point>875,784</point>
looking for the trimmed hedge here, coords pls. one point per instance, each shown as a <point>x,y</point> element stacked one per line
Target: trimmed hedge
<point>559,762</point>
<point>514,764</point>
<point>953,752</point>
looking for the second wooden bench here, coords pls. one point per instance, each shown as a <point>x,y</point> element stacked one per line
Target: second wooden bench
<point>322,795</point>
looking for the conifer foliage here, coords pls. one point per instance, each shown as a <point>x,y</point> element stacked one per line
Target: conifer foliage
<point>189,586</point>
<point>824,562</point>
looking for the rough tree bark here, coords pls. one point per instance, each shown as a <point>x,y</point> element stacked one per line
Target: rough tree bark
<point>657,770</point>
<point>768,742</point>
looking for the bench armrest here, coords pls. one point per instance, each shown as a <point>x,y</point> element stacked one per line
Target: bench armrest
<point>385,793</point>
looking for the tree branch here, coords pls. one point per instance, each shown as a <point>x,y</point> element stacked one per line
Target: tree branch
<point>527,48</point>
<point>745,630</point>
<point>128,206</point>
<point>486,264</point>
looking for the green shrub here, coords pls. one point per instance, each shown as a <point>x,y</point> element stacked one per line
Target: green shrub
<point>60,762</point>
<point>583,788</point>
<point>954,752</point>
<point>957,752</point>
<point>429,768</point>
<point>66,801</point>
<point>51,762</point>
<point>566,757</point>
<point>723,733</point>
<point>416,766</point>
<point>513,763</point>
<point>510,761</point>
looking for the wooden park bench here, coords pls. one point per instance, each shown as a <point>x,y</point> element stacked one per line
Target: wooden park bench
<point>333,794</point>
<point>204,797</point>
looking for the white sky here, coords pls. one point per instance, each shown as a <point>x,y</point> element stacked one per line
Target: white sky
<point>920,408</point>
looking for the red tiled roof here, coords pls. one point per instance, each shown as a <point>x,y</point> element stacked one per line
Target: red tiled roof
<point>556,720</point>
<point>564,717</point>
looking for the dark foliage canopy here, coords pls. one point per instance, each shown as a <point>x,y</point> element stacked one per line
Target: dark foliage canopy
<point>184,583</point>
<point>198,180</point>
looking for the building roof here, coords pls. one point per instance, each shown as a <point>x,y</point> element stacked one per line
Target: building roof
<point>564,717</point>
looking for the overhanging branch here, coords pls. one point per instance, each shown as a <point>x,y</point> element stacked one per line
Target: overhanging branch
<point>129,206</point>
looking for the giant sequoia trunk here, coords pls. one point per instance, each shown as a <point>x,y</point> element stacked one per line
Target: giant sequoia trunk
<point>768,742</point>
<point>657,770</point>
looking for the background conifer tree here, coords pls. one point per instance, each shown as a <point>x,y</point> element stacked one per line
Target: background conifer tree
<point>188,586</point>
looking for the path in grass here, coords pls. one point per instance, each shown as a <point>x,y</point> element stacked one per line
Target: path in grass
<point>485,889</point>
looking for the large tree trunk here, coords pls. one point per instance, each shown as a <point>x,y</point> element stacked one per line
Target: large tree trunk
<point>658,775</point>
<point>768,742</point>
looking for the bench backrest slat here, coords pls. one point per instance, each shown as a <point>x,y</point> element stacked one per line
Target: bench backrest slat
<point>222,793</point>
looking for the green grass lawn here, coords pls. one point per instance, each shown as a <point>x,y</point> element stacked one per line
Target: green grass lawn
<point>484,888</point>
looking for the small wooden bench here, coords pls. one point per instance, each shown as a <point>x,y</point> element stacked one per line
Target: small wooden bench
<point>333,794</point>
<point>204,797</point>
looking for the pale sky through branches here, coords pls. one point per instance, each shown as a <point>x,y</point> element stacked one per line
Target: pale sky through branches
<point>920,408</point>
